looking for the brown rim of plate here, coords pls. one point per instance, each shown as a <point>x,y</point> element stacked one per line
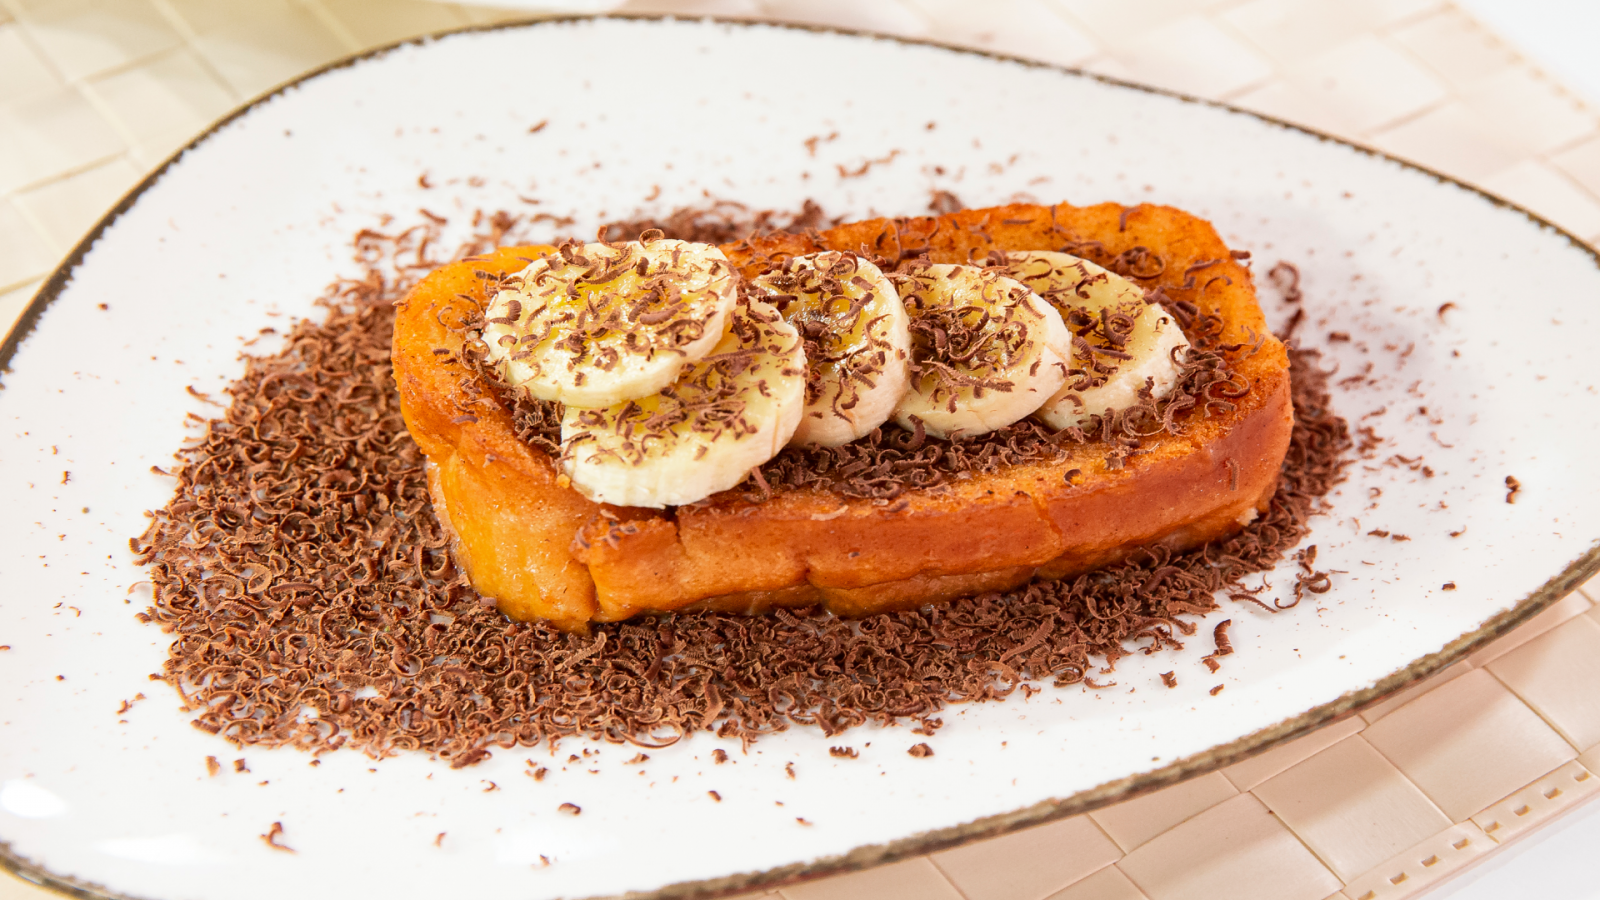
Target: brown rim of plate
<point>1576,572</point>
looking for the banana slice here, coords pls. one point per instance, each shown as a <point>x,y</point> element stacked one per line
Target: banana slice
<point>1120,342</point>
<point>597,324</point>
<point>858,347</point>
<point>725,415</point>
<point>986,351</point>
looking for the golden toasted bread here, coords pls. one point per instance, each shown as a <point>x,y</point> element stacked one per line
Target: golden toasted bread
<point>543,551</point>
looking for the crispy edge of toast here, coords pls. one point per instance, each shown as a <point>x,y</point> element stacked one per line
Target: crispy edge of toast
<point>543,551</point>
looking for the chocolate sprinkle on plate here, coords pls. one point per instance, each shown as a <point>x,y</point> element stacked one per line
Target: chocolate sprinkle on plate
<point>273,836</point>
<point>315,603</point>
<point>1219,636</point>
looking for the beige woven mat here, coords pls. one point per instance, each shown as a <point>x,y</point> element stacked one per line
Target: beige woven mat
<point>95,93</point>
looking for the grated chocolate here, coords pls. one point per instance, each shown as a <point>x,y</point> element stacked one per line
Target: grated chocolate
<point>314,603</point>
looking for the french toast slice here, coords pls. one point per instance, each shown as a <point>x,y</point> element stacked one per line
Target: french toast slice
<point>541,550</point>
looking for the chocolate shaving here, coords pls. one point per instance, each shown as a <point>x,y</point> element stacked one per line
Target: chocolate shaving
<point>943,203</point>
<point>1309,579</point>
<point>314,602</point>
<point>271,838</point>
<point>866,165</point>
<point>1513,488</point>
<point>1170,679</point>
<point>920,751</point>
<point>1287,276</point>
<point>1219,636</point>
<point>1289,330</point>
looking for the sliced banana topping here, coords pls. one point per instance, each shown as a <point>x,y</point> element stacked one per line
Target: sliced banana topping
<point>726,414</point>
<point>857,344</point>
<point>1121,345</point>
<point>597,324</point>
<point>986,350</point>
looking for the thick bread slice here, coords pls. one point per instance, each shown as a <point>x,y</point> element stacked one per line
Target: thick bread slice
<point>543,551</point>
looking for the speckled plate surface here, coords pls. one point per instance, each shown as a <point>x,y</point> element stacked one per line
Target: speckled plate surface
<point>1461,328</point>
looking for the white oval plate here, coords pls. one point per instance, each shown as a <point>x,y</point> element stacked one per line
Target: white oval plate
<point>248,225</point>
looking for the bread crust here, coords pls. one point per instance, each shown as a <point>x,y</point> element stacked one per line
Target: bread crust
<point>543,551</point>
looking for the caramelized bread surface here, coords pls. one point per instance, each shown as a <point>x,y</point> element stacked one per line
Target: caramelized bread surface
<point>543,551</point>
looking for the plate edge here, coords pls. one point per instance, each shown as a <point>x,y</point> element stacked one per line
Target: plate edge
<point>867,856</point>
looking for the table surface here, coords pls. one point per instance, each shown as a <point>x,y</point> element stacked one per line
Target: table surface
<point>95,93</point>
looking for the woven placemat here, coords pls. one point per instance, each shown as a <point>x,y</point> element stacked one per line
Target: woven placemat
<point>1385,805</point>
